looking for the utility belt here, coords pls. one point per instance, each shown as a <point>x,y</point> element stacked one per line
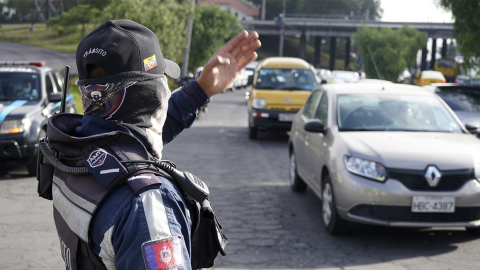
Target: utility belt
<point>77,191</point>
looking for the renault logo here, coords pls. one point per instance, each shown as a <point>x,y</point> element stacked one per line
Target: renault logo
<point>433,176</point>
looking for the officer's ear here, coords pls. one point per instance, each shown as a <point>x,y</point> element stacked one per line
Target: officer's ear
<point>95,71</point>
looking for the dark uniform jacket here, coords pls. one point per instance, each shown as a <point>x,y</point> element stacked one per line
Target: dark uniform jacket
<point>140,229</point>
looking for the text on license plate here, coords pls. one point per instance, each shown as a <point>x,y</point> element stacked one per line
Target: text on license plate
<point>285,117</point>
<point>431,204</point>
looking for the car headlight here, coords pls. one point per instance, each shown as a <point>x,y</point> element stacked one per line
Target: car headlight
<point>15,126</point>
<point>259,103</point>
<point>366,168</point>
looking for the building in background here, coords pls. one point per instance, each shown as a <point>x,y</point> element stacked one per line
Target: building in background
<point>243,9</point>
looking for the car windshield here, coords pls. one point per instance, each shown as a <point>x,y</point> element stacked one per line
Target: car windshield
<point>286,79</point>
<point>19,86</point>
<point>394,113</point>
<point>467,100</point>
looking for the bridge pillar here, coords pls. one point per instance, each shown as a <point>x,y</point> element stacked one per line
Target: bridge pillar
<point>318,51</point>
<point>303,46</point>
<point>444,48</point>
<point>423,64</point>
<point>347,53</point>
<point>434,52</point>
<point>333,44</point>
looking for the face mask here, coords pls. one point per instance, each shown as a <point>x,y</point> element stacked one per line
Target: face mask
<point>139,102</point>
<point>103,100</point>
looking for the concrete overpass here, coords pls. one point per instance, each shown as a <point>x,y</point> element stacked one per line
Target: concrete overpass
<point>335,28</point>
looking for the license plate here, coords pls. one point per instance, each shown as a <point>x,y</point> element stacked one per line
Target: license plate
<point>285,117</point>
<point>433,204</point>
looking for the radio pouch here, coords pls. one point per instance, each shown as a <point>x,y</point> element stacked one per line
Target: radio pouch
<point>44,176</point>
<point>208,240</point>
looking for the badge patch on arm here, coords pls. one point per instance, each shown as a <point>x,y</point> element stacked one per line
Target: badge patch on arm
<point>163,254</point>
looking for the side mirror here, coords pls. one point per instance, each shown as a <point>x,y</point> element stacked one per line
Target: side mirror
<point>315,126</point>
<point>250,80</point>
<point>472,128</point>
<point>55,97</point>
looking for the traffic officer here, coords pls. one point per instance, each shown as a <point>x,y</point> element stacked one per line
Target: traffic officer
<point>124,215</point>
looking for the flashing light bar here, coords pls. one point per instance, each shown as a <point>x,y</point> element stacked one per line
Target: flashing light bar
<point>22,63</point>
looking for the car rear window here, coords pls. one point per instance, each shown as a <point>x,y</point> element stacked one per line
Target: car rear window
<point>19,86</point>
<point>286,79</point>
<point>432,75</point>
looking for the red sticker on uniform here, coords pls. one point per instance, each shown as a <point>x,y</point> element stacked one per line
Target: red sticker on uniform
<point>163,254</point>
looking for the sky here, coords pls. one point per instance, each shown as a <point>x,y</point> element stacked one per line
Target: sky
<point>414,11</point>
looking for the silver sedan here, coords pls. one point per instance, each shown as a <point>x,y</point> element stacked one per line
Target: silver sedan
<point>385,154</point>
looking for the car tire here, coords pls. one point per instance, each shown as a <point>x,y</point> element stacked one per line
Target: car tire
<point>296,183</point>
<point>473,231</point>
<point>252,133</point>
<point>32,166</point>
<point>332,222</point>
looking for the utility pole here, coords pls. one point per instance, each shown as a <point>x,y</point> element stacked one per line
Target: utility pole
<point>263,9</point>
<point>280,49</point>
<point>186,51</point>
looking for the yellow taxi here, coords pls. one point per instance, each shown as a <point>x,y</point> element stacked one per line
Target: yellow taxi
<point>448,67</point>
<point>428,77</point>
<point>281,85</point>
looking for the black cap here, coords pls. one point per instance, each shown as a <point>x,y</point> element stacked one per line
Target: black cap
<point>122,46</point>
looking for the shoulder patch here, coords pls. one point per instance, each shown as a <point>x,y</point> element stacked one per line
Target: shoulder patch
<point>163,254</point>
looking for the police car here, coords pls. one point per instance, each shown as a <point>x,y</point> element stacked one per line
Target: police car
<point>30,93</point>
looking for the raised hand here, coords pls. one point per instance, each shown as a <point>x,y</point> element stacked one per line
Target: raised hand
<point>220,71</point>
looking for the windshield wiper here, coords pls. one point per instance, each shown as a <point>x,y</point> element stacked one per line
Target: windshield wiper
<point>290,88</point>
<point>358,129</point>
<point>293,88</point>
<point>266,88</point>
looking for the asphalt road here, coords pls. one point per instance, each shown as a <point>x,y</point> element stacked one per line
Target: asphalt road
<point>269,226</point>
<point>54,59</point>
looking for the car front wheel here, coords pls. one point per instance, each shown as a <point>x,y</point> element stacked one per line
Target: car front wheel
<point>252,132</point>
<point>332,222</point>
<point>296,183</point>
<point>474,231</point>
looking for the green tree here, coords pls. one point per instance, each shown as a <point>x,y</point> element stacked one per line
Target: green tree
<point>21,8</point>
<point>467,25</point>
<point>96,3</point>
<point>390,50</point>
<point>416,40</point>
<point>166,18</point>
<point>81,14</point>
<point>212,26</point>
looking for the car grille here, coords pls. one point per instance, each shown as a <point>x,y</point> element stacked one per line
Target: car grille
<point>415,180</point>
<point>404,213</point>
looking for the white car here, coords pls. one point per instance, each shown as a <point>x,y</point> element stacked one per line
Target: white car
<point>385,154</point>
<point>347,76</point>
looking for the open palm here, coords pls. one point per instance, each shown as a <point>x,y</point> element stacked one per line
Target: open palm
<point>224,66</point>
